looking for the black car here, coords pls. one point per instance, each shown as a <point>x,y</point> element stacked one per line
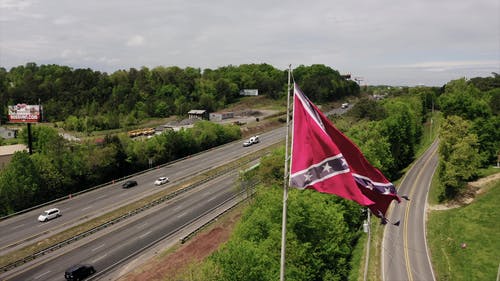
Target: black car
<point>79,272</point>
<point>129,184</point>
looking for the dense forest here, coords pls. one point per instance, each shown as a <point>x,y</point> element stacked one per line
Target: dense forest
<point>98,101</point>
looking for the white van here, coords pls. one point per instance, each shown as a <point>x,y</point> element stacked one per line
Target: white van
<point>49,214</point>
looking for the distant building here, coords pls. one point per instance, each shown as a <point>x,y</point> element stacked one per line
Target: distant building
<point>249,92</point>
<point>219,116</point>
<point>198,114</point>
<point>163,128</point>
<point>7,133</point>
<point>7,151</point>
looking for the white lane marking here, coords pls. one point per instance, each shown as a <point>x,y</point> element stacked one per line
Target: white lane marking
<point>44,223</point>
<point>145,234</point>
<point>41,275</point>
<point>211,198</point>
<point>181,214</point>
<point>17,226</point>
<point>99,258</point>
<point>86,208</point>
<point>98,247</point>
<point>178,208</point>
<point>142,225</point>
<point>102,196</point>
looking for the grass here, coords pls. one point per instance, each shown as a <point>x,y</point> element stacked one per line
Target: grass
<point>477,226</point>
<point>358,257</point>
<point>258,102</point>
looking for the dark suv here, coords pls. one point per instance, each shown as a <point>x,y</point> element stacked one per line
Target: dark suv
<point>79,272</point>
<point>129,184</point>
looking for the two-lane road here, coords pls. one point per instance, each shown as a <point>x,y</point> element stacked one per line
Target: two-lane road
<point>404,248</point>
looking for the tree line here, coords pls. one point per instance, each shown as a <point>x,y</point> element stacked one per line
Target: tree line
<point>470,138</point>
<point>88,100</point>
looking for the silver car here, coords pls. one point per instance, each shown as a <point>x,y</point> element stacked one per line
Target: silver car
<point>49,214</point>
<point>161,180</point>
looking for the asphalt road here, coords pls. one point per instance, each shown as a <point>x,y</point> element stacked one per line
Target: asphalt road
<point>106,249</point>
<point>404,248</point>
<point>24,229</point>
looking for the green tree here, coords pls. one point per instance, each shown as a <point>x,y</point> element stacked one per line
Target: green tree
<point>464,100</point>
<point>459,156</point>
<point>370,138</point>
<point>368,109</point>
<point>19,183</point>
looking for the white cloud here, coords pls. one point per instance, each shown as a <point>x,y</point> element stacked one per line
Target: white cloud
<point>72,54</point>
<point>136,40</point>
<point>15,4</point>
<point>66,19</point>
<point>439,66</point>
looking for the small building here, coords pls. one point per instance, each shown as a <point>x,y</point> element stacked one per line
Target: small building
<point>163,128</point>
<point>7,133</point>
<point>249,92</point>
<point>7,151</point>
<point>219,116</point>
<point>198,114</point>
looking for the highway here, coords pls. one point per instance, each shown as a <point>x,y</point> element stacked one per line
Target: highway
<point>24,229</point>
<point>104,250</point>
<point>404,248</point>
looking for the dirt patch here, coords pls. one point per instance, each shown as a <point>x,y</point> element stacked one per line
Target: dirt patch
<point>473,188</point>
<point>198,248</point>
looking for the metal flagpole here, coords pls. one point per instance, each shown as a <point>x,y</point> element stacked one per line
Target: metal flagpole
<point>285,181</point>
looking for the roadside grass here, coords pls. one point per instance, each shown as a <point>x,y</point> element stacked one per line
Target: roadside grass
<point>430,132</point>
<point>435,190</point>
<point>358,257</point>
<point>464,242</point>
<point>258,102</point>
<point>74,231</point>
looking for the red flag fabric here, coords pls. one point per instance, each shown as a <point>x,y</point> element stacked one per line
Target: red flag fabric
<point>324,159</point>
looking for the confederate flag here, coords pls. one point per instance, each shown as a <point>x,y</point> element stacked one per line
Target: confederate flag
<point>324,159</point>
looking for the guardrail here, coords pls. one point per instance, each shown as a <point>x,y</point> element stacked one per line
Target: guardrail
<point>120,218</point>
<point>194,232</point>
<point>111,267</point>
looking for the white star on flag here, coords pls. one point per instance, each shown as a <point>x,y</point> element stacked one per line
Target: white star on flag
<point>327,168</point>
<point>308,176</point>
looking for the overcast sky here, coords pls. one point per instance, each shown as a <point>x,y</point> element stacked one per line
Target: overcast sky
<point>392,42</point>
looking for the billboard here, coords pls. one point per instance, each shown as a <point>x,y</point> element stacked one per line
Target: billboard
<point>249,92</point>
<point>24,113</point>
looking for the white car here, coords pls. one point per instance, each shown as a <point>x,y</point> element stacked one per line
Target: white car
<point>161,180</point>
<point>252,140</point>
<point>49,214</point>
